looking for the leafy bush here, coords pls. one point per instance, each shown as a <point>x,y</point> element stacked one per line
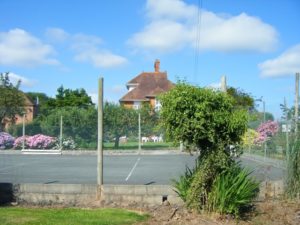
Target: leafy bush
<point>232,191</point>
<point>6,140</point>
<point>67,143</point>
<point>293,167</point>
<point>38,141</point>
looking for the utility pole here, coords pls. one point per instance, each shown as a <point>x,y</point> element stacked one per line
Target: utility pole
<point>287,130</point>
<point>296,103</point>
<point>223,84</point>
<point>265,143</point>
<point>100,140</point>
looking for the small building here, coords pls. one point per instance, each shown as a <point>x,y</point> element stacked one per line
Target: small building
<point>30,110</point>
<point>146,87</point>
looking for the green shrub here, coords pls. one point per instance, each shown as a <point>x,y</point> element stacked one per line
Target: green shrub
<point>293,167</point>
<point>232,191</point>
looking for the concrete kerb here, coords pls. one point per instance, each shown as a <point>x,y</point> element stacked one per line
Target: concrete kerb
<point>84,194</point>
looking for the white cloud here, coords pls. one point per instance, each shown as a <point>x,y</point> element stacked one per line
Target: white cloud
<point>288,63</point>
<point>57,34</point>
<point>94,97</point>
<point>19,48</point>
<point>172,25</point>
<point>87,50</point>
<point>81,42</point>
<point>101,59</point>
<point>14,78</point>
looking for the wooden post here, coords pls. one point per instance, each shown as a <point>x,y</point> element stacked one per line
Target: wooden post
<point>100,140</point>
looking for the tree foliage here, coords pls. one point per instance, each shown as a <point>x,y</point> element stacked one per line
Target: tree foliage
<point>69,97</point>
<point>78,123</point>
<point>201,117</point>
<point>119,121</point>
<point>241,98</point>
<point>12,100</point>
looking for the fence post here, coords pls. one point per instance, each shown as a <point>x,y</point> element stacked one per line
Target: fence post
<point>61,132</point>
<point>23,131</point>
<point>140,133</point>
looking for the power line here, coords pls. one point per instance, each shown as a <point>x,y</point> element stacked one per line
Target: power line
<point>197,39</point>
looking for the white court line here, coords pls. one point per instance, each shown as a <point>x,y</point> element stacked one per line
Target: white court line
<point>131,171</point>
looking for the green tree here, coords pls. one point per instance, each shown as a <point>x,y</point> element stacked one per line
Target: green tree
<point>209,121</point>
<point>69,97</point>
<point>78,123</point>
<point>241,98</point>
<point>12,101</point>
<point>119,121</point>
<point>149,120</point>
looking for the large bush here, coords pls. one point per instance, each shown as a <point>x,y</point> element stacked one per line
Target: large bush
<point>38,141</point>
<point>6,140</point>
<point>209,121</point>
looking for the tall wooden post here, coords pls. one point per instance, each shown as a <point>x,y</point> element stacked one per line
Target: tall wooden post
<point>100,140</point>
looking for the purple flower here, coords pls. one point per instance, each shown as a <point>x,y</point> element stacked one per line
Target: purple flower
<point>38,141</point>
<point>6,140</point>
<point>265,131</point>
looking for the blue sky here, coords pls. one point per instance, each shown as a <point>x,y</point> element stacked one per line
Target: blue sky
<point>255,43</point>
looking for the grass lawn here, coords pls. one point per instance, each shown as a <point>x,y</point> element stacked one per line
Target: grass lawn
<point>135,145</point>
<point>70,216</point>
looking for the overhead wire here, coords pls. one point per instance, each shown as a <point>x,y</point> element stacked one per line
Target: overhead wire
<point>197,40</point>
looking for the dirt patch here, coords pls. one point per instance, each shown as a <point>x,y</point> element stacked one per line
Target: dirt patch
<point>277,212</point>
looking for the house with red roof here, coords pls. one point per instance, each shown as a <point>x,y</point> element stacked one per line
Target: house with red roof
<point>145,87</point>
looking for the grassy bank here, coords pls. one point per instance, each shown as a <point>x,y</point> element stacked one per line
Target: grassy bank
<point>74,216</point>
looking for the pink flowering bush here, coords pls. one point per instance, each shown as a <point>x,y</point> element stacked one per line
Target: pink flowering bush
<point>38,141</point>
<point>265,131</point>
<point>6,140</point>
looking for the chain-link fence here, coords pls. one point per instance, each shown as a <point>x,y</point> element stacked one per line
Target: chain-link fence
<point>74,128</point>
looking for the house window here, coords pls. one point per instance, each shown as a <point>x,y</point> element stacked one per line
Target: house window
<point>136,105</point>
<point>157,106</point>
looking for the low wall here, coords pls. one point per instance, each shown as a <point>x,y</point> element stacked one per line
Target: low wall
<point>84,194</point>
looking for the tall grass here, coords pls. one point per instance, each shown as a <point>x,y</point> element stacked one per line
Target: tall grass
<point>293,167</point>
<point>232,192</point>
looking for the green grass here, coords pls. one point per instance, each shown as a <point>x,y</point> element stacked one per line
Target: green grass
<point>70,216</point>
<point>135,145</point>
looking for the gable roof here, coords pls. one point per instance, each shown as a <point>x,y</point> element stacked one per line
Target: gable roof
<point>148,84</point>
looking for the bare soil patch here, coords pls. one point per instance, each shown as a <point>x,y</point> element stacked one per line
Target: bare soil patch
<point>275,212</point>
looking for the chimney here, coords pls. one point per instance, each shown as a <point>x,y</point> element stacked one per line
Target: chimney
<point>156,65</point>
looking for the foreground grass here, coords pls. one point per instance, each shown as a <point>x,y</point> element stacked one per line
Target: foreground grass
<point>70,216</point>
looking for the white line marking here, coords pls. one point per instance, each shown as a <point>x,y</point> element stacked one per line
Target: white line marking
<point>131,171</point>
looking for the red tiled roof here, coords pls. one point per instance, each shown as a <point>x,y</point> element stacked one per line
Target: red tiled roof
<point>148,84</point>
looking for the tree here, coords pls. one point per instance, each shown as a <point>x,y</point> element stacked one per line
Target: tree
<point>201,117</point>
<point>12,101</point>
<point>208,120</point>
<point>119,121</point>
<point>149,120</point>
<point>68,97</point>
<point>78,123</point>
<point>241,98</point>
